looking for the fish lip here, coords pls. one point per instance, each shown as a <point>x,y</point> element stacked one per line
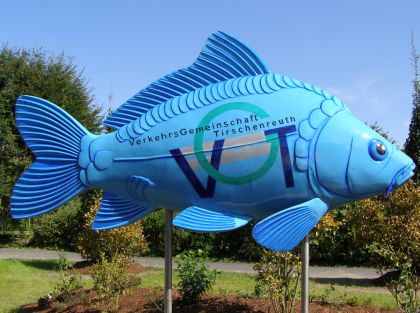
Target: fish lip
<point>401,177</point>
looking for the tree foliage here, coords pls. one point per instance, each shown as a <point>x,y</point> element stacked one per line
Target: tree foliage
<point>412,144</point>
<point>34,72</point>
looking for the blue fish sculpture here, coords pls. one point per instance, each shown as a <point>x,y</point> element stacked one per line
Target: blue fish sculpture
<point>224,141</point>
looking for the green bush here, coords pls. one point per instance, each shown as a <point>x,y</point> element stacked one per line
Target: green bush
<point>154,231</point>
<point>237,244</point>
<point>68,281</point>
<point>59,228</point>
<point>128,240</point>
<point>278,277</point>
<point>111,279</point>
<point>334,240</point>
<point>389,230</point>
<point>194,278</point>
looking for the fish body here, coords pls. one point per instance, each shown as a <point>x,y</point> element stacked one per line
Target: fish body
<point>224,141</point>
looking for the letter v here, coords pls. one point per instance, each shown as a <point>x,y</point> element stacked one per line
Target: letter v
<point>185,167</point>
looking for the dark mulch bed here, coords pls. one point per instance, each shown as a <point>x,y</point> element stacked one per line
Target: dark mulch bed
<point>148,301</point>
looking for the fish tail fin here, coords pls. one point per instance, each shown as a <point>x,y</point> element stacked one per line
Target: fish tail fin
<point>55,139</point>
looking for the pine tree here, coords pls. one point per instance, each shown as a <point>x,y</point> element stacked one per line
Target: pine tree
<point>412,144</point>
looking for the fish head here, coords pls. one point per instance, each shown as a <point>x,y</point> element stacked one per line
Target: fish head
<point>354,162</point>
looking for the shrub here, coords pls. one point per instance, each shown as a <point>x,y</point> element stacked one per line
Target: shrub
<point>154,231</point>
<point>111,279</point>
<point>250,250</point>
<point>194,278</point>
<point>237,244</point>
<point>403,283</point>
<point>389,230</point>
<point>68,281</point>
<point>278,276</point>
<point>334,240</point>
<point>324,239</point>
<point>128,240</point>
<point>59,228</point>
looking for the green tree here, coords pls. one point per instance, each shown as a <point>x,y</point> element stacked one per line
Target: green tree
<point>34,72</point>
<point>412,144</point>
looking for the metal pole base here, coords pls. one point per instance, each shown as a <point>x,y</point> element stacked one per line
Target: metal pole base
<point>168,262</point>
<point>305,276</point>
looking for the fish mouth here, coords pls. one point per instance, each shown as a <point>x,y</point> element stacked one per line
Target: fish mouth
<point>400,178</point>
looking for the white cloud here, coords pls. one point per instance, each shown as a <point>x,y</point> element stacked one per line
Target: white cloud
<point>363,94</point>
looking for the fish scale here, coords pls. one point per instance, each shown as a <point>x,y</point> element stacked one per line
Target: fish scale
<point>195,100</point>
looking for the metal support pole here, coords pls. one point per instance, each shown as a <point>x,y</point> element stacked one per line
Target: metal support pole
<point>305,276</point>
<point>168,262</point>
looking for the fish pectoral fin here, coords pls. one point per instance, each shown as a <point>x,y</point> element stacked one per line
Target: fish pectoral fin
<point>116,212</point>
<point>203,220</point>
<point>137,185</point>
<point>284,230</point>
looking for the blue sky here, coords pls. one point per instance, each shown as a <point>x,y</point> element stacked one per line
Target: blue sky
<point>356,50</point>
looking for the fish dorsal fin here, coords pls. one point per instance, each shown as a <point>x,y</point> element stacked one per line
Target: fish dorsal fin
<point>203,220</point>
<point>222,58</point>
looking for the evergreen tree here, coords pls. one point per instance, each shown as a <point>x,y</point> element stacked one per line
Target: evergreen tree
<point>412,144</point>
<point>33,72</point>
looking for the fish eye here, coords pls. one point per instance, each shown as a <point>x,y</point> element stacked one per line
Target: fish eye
<point>377,150</point>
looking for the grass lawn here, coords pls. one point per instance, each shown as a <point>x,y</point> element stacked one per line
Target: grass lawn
<point>352,295</point>
<point>23,281</point>
<point>226,283</point>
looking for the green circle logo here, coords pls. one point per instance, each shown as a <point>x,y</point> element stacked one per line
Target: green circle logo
<point>234,180</point>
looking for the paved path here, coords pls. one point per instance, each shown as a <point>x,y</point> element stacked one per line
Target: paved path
<point>349,275</point>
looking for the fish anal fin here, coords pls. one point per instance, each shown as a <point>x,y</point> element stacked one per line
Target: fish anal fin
<point>203,220</point>
<point>117,212</point>
<point>284,230</point>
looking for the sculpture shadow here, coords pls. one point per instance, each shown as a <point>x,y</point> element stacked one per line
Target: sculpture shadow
<point>362,282</point>
<point>49,265</point>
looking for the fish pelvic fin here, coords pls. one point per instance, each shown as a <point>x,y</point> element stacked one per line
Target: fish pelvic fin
<point>55,138</point>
